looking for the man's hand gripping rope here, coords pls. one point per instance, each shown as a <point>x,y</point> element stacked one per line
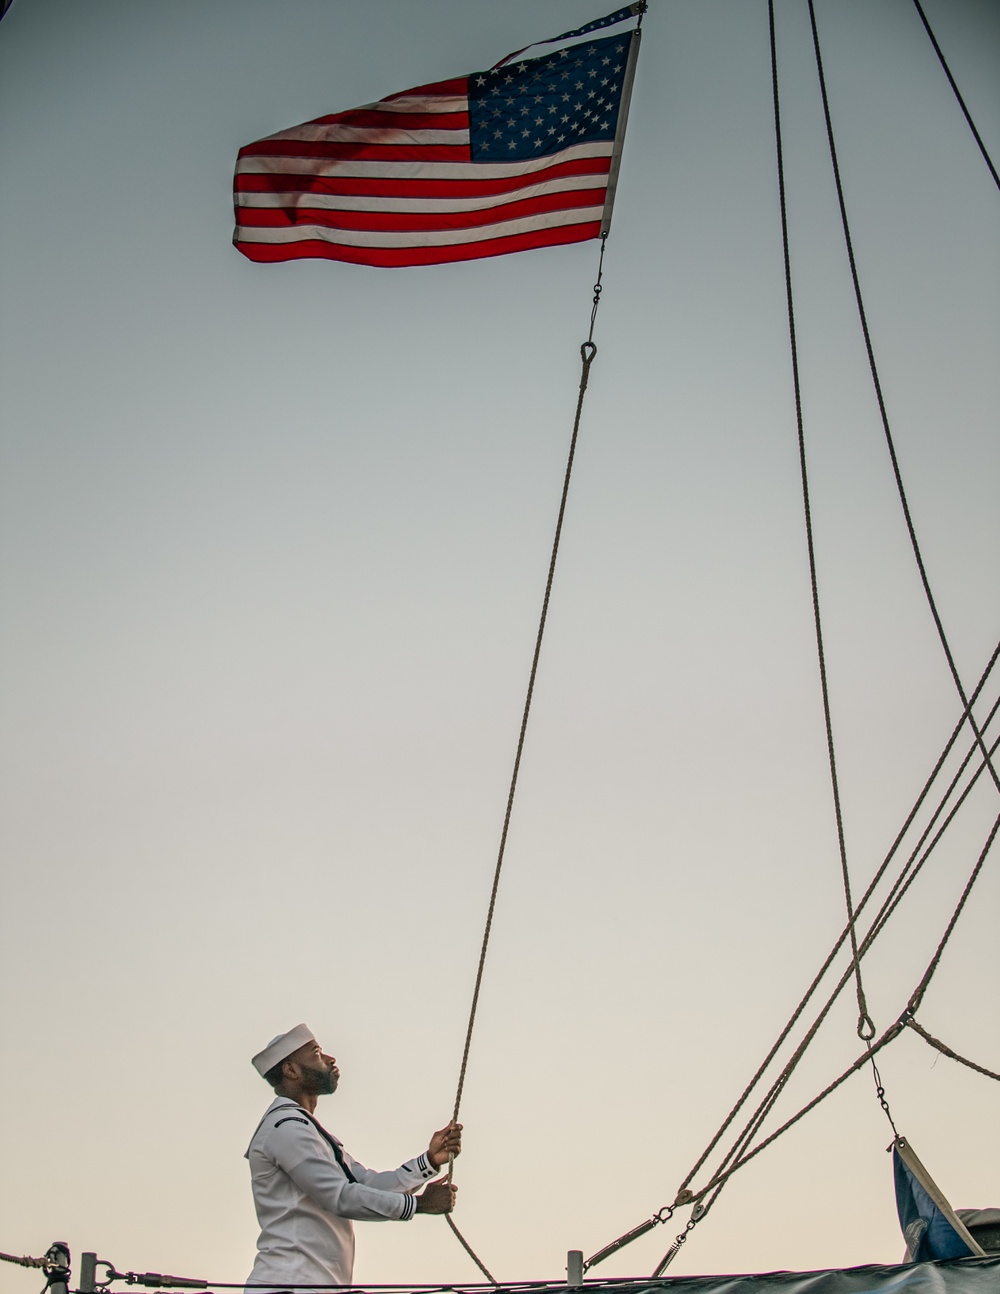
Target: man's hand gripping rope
<point>439,1196</point>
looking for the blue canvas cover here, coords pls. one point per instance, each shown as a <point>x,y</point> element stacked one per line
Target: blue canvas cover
<point>928,1233</point>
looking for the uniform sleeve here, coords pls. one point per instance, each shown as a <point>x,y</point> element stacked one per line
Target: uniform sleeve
<point>408,1177</point>
<point>300,1152</point>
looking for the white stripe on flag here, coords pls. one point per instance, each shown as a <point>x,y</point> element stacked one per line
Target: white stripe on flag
<point>416,170</point>
<point>416,103</point>
<point>352,202</point>
<point>415,238</point>
<point>387,134</point>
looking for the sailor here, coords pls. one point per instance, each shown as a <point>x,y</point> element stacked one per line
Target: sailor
<point>307,1188</point>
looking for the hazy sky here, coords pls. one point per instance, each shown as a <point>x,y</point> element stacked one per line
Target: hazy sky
<point>273,544</point>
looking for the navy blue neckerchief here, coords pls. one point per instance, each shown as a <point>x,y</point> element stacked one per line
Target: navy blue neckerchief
<point>303,1116</point>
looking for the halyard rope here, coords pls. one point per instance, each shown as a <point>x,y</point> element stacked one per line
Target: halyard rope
<point>588,352</point>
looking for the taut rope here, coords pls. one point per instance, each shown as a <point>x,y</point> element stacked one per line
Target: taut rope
<point>588,352</point>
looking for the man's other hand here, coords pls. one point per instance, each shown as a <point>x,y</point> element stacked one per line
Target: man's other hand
<point>438,1197</point>
<point>444,1144</point>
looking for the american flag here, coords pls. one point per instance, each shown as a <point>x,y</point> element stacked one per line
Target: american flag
<point>523,155</point>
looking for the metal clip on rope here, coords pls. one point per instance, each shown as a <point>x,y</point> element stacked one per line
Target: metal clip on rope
<point>697,1213</point>
<point>664,1215</point>
<point>880,1095</point>
<point>89,1284</point>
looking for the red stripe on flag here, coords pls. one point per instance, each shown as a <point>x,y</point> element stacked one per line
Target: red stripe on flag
<point>394,120</point>
<point>397,256</point>
<point>358,152</point>
<point>418,221</point>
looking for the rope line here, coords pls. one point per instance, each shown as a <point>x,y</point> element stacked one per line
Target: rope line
<point>684,1196</point>
<point>588,352</point>
<point>866,1027</point>
<point>961,101</point>
<point>23,1262</point>
<point>852,915</point>
<point>947,1051</point>
<point>888,907</point>
<point>901,885</point>
<point>891,1033</point>
<point>467,1247</point>
<point>736,1157</point>
<point>913,866</point>
<point>877,384</point>
<point>896,894</point>
<point>918,994</point>
<point>717,1183</point>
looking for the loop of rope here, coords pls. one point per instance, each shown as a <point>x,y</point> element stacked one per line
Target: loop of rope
<point>588,353</point>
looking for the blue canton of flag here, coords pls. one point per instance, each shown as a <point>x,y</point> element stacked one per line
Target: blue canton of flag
<point>542,105</point>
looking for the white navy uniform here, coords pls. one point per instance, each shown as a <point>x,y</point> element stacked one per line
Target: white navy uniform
<point>306,1190</point>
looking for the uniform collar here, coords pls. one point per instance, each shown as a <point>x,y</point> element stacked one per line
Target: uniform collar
<point>279,1103</point>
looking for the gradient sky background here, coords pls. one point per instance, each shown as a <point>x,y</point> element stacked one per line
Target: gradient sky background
<point>273,545</point>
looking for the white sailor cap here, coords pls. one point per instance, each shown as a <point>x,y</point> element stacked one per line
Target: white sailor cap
<point>281,1048</point>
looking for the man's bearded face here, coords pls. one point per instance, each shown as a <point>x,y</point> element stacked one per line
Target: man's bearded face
<point>321,1082</point>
